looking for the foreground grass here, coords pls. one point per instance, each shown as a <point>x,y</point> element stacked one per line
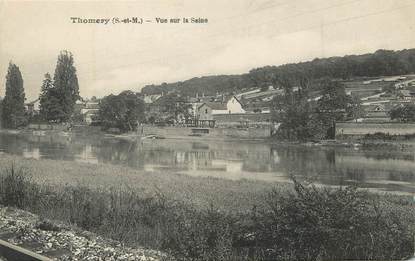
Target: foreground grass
<point>302,223</point>
<point>202,192</point>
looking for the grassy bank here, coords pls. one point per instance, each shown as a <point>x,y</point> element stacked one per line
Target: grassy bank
<point>291,223</point>
<point>203,192</point>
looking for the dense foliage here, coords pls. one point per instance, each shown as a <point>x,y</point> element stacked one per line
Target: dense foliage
<point>13,108</point>
<point>297,117</point>
<point>403,113</point>
<point>380,63</point>
<point>207,85</point>
<point>49,99</point>
<point>123,111</point>
<point>304,223</point>
<point>65,84</point>
<point>305,118</point>
<point>172,108</point>
<point>58,96</point>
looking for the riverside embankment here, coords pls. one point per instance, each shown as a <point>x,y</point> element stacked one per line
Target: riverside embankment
<point>260,222</point>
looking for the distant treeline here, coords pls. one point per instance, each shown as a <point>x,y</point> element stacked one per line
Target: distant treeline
<point>380,63</point>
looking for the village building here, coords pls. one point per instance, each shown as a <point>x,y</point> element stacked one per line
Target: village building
<point>229,114</point>
<point>203,111</point>
<point>234,106</point>
<point>87,110</point>
<point>262,96</point>
<point>33,107</point>
<point>90,111</point>
<point>149,99</point>
<point>377,112</point>
<point>207,109</point>
<point>407,94</point>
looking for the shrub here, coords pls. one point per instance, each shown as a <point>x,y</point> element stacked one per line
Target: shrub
<point>333,224</point>
<point>14,186</point>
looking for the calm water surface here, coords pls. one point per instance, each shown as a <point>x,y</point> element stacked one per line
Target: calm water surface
<point>386,168</point>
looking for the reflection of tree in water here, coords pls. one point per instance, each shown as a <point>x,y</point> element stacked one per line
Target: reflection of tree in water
<point>387,154</point>
<point>312,164</point>
<point>331,157</point>
<point>178,156</point>
<point>59,147</point>
<point>389,151</point>
<point>48,147</point>
<point>406,176</point>
<point>12,144</point>
<point>300,160</point>
<point>207,156</point>
<point>118,151</point>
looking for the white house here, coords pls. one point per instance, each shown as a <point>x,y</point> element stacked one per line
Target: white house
<point>151,98</point>
<point>88,110</point>
<point>234,106</point>
<point>33,107</point>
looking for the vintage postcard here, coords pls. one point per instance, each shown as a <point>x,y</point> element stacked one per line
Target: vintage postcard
<point>240,130</point>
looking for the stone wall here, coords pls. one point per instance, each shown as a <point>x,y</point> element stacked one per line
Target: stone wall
<point>215,133</point>
<point>235,119</point>
<point>56,127</point>
<point>352,128</point>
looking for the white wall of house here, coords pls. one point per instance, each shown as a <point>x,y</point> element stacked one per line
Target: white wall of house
<point>234,106</point>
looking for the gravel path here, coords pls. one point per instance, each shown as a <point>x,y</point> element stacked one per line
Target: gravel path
<point>61,242</point>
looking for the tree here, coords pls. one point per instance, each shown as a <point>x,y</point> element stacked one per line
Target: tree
<point>297,117</point>
<point>334,101</point>
<point>1,112</point>
<point>13,114</point>
<point>403,113</point>
<point>174,107</point>
<point>378,64</point>
<point>66,84</point>
<point>123,111</point>
<point>51,108</point>
<point>303,118</point>
<point>354,109</point>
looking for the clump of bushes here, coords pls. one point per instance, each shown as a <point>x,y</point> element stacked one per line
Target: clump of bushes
<point>333,224</point>
<point>306,223</point>
<point>14,187</point>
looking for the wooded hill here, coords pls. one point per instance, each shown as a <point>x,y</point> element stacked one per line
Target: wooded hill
<point>380,63</point>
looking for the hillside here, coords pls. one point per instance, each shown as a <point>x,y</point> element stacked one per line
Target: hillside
<point>380,63</point>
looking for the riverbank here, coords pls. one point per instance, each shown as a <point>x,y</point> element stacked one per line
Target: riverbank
<point>150,131</point>
<point>201,191</point>
<point>206,219</point>
<point>257,135</point>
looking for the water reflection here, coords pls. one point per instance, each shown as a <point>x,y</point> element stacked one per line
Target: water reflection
<point>382,168</point>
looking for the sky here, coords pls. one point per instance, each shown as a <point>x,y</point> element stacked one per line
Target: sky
<point>239,35</point>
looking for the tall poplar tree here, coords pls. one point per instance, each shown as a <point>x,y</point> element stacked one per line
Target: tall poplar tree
<point>66,83</point>
<point>13,109</point>
<point>50,102</point>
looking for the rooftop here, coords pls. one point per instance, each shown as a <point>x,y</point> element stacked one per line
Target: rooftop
<point>215,105</point>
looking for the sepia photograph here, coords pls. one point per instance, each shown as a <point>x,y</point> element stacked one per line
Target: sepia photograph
<point>207,130</point>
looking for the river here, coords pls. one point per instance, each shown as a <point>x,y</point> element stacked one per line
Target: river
<point>381,167</point>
